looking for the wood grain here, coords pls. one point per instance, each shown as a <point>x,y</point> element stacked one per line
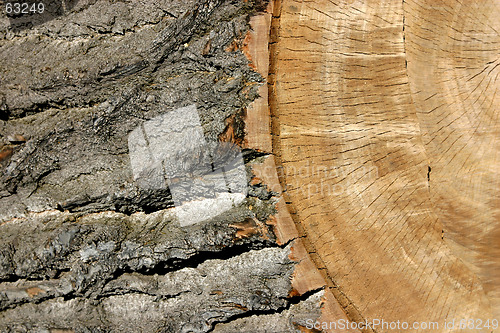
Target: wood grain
<point>306,276</point>
<point>457,103</point>
<point>385,122</point>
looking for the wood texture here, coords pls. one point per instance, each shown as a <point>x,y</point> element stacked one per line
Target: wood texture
<point>385,122</point>
<point>306,275</point>
<point>457,103</point>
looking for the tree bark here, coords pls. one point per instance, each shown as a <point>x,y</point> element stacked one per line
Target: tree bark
<point>249,166</point>
<point>92,237</point>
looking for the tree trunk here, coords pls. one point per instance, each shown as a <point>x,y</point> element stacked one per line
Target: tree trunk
<point>386,126</point>
<point>249,166</point>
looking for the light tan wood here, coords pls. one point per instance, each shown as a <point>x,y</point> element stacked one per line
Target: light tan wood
<point>385,121</point>
<point>457,100</point>
<point>257,124</point>
<point>306,275</point>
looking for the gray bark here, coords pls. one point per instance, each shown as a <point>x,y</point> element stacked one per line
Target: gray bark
<point>84,246</point>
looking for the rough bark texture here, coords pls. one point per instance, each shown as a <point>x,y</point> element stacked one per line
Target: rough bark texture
<point>369,136</point>
<point>84,247</point>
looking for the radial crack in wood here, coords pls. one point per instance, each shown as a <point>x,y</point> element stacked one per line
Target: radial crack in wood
<point>368,99</point>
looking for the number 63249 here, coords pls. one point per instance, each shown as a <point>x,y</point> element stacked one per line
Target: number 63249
<point>24,8</point>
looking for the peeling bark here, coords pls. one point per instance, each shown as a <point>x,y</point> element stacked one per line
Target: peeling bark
<point>87,247</point>
<point>364,134</point>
